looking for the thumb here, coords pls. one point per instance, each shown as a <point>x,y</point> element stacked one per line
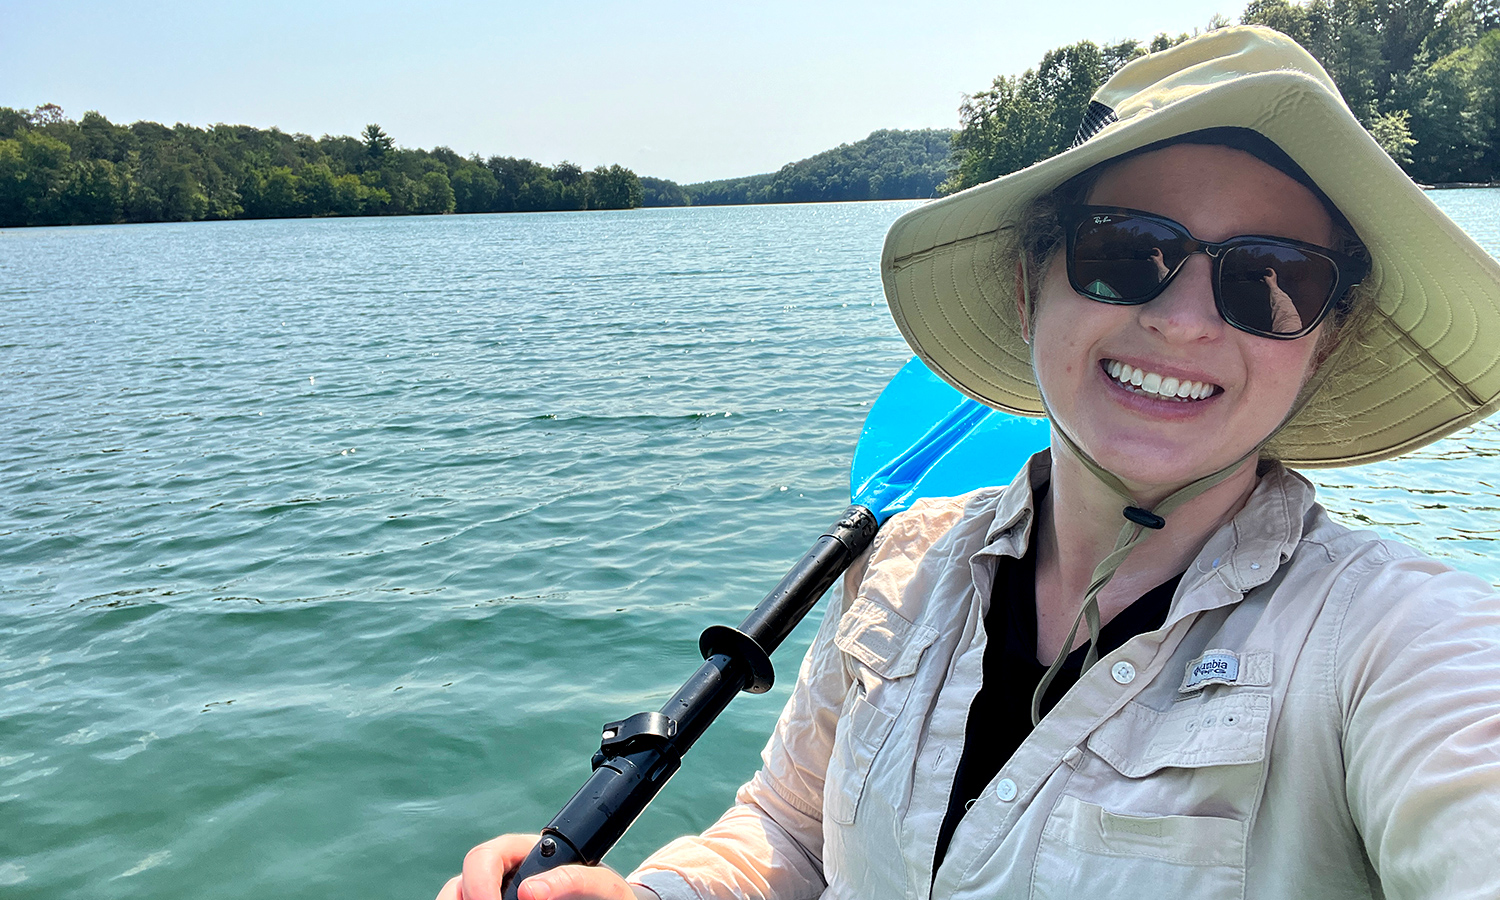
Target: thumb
<point>576,883</point>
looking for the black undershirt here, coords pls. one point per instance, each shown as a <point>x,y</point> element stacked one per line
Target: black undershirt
<point>1000,716</point>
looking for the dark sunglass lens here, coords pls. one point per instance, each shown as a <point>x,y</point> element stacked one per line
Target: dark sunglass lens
<point>1274,289</point>
<point>1120,257</point>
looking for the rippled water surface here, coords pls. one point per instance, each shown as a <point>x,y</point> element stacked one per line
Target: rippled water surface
<point>326,546</point>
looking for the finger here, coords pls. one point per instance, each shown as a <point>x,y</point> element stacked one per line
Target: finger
<point>576,883</point>
<point>450,890</point>
<point>485,866</point>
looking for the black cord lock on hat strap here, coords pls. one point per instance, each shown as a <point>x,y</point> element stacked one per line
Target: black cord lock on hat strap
<point>1145,518</point>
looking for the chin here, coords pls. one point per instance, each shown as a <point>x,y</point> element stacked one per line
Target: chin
<point>1154,466</point>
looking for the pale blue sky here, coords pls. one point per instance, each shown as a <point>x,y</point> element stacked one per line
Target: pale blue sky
<point>687,91</point>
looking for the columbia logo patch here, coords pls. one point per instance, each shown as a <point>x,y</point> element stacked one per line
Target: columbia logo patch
<point>1213,667</point>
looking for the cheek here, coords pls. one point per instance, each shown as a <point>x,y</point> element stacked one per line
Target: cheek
<point>1065,327</point>
<point>1281,369</point>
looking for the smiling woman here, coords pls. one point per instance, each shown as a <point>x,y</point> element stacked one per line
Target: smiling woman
<point>1245,384</point>
<point>1152,665</point>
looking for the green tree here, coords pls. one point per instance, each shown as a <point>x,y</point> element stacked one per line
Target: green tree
<point>317,188</point>
<point>1457,122</point>
<point>573,186</point>
<point>33,173</point>
<point>1449,136</point>
<point>90,192</point>
<point>662,192</point>
<point>1021,120</point>
<point>615,187</point>
<point>182,196</point>
<point>13,122</point>
<point>432,195</point>
<point>47,114</point>
<point>378,144</point>
<point>1290,19</point>
<point>279,194</point>
<point>14,187</point>
<point>475,188</point>
<point>1484,99</point>
<point>1392,131</point>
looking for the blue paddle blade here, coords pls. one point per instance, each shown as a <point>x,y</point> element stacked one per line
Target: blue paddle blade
<point>923,438</point>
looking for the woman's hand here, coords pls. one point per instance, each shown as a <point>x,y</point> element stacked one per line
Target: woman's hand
<point>486,865</point>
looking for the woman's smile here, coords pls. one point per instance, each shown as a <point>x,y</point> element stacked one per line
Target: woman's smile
<point>1144,380</point>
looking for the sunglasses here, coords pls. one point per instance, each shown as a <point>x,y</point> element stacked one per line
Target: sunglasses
<point>1270,286</point>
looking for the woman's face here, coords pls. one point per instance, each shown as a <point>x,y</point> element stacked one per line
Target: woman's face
<point>1149,441</point>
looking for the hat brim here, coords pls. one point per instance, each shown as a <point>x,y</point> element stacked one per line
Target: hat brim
<point>1426,363</point>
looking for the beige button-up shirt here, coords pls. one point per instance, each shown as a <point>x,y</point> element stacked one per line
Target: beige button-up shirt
<point>1318,717</point>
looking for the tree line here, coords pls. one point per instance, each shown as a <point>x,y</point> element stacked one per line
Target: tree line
<point>1422,75</point>
<point>57,171</point>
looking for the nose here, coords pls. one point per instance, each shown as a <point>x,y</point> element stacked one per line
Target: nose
<point>1185,311</point>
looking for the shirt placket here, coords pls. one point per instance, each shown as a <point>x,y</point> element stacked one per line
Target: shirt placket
<point>1101,692</point>
<point>942,745</point>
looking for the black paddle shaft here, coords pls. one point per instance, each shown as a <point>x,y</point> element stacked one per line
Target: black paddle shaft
<point>638,754</point>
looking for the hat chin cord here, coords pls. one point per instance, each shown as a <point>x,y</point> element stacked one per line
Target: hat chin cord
<point>1138,522</point>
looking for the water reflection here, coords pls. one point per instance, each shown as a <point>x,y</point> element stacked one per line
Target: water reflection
<point>1443,499</point>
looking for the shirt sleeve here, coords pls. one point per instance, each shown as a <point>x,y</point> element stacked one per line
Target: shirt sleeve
<point>770,843</point>
<point>1419,684</point>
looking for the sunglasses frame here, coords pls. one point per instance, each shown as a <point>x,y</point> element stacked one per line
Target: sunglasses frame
<point>1349,270</point>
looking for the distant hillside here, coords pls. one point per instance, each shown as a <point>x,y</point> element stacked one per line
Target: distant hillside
<point>887,165</point>
<point>58,171</point>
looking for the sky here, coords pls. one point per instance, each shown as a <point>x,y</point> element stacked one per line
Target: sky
<point>686,91</point>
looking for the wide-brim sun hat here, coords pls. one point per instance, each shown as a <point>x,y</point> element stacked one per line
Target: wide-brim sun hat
<point>1426,360</point>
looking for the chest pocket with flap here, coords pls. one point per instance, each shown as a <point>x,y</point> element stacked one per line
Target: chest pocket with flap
<point>882,650</point>
<point>1160,806</point>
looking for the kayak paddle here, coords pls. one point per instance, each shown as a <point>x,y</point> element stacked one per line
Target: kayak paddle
<point>921,439</point>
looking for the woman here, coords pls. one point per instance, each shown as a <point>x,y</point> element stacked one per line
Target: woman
<point>1152,665</point>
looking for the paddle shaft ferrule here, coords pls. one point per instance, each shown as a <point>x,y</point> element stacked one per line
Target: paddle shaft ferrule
<point>639,754</point>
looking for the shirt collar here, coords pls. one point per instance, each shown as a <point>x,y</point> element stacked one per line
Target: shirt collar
<point>1245,553</point>
<point>1009,533</point>
<point>1240,556</point>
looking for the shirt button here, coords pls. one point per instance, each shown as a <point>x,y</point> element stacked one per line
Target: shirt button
<point>1123,672</point>
<point>1006,790</point>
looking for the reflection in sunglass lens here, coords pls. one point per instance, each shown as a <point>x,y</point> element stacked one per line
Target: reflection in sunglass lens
<point>1123,258</point>
<point>1274,289</point>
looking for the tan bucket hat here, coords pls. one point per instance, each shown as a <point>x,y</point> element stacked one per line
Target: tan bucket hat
<point>1427,361</point>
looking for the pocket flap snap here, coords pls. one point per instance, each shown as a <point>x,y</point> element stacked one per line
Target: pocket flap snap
<point>881,639</point>
<point>1220,731</point>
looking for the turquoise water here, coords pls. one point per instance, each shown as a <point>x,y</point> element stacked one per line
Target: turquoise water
<point>326,546</point>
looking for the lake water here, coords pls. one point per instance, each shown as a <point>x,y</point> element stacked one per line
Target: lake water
<point>326,546</point>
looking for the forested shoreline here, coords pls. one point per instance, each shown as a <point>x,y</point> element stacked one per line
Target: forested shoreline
<point>1422,75</point>
<point>55,171</point>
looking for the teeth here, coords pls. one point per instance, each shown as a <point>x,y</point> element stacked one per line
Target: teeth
<point>1152,383</point>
